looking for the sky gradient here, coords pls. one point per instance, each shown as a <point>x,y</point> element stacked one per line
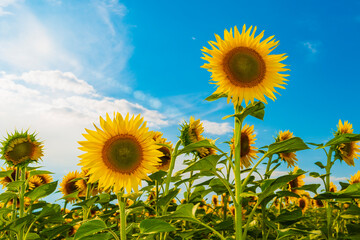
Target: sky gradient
<point>65,63</point>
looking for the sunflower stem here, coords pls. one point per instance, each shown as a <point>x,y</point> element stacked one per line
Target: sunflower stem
<point>87,210</point>
<point>238,183</point>
<point>327,187</point>
<point>21,197</point>
<point>171,168</point>
<point>121,201</point>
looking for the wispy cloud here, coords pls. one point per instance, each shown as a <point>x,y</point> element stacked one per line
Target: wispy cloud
<point>152,101</point>
<point>311,46</point>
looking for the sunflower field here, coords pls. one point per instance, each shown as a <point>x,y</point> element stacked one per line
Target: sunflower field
<point>128,188</point>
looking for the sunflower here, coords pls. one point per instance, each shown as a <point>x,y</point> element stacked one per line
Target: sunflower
<point>215,200</point>
<point>318,203</point>
<point>70,185</point>
<point>296,183</point>
<point>204,152</point>
<point>242,66</point>
<point>289,157</point>
<point>21,148</point>
<point>223,198</point>
<point>191,132</point>
<point>355,179</point>
<point>347,151</point>
<point>166,150</point>
<point>35,182</point>
<point>303,203</point>
<point>332,187</point>
<point>120,154</point>
<point>248,151</point>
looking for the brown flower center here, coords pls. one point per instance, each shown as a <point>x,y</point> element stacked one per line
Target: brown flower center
<point>167,156</point>
<point>21,150</point>
<point>245,144</point>
<point>122,153</point>
<point>244,67</point>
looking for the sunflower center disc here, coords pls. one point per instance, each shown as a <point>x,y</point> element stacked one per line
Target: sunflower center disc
<point>244,67</point>
<point>167,156</point>
<point>122,154</point>
<point>71,186</point>
<point>245,145</point>
<point>21,150</point>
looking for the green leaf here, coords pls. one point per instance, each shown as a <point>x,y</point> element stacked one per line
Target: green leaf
<point>217,186</point>
<point>215,96</point>
<point>33,236</point>
<point>50,233</point>
<point>342,138</point>
<point>286,194</point>
<point>320,165</point>
<point>165,200</point>
<point>290,145</point>
<point>158,176</point>
<point>314,174</point>
<point>42,191</point>
<point>7,196</point>
<point>289,216</point>
<point>90,227</point>
<point>103,198</point>
<point>256,109</point>
<point>310,187</point>
<point>15,184</point>
<point>88,203</point>
<point>183,212</point>
<point>193,146</point>
<point>102,236</point>
<point>6,173</point>
<point>38,172</point>
<point>205,164</point>
<point>286,233</point>
<point>152,226</point>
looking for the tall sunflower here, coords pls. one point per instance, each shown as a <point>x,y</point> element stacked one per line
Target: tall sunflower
<point>248,151</point>
<point>347,151</point>
<point>21,148</point>
<point>303,203</point>
<point>242,66</point>
<point>289,157</point>
<point>166,150</point>
<point>120,154</point>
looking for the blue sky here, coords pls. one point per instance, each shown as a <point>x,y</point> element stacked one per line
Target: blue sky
<point>64,63</point>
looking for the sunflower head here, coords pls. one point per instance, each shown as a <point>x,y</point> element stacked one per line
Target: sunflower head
<point>70,185</point>
<point>204,152</point>
<point>248,151</point>
<point>35,182</point>
<point>191,132</point>
<point>289,157</point>
<point>166,150</point>
<point>5,180</point>
<point>303,203</point>
<point>215,200</point>
<point>347,151</point>
<point>355,179</point>
<point>21,148</point>
<point>332,187</point>
<point>318,203</point>
<point>242,67</point>
<point>296,183</point>
<point>120,154</point>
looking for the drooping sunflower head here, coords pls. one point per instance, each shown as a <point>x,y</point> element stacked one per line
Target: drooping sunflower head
<point>332,187</point>
<point>70,185</point>
<point>21,148</point>
<point>347,151</point>
<point>296,183</point>
<point>248,150</point>
<point>166,150</point>
<point>242,66</point>
<point>120,154</point>
<point>289,157</point>
<point>191,132</point>
<point>355,179</point>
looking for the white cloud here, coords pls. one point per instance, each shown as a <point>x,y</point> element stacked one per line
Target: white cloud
<point>59,115</point>
<point>216,128</point>
<point>153,102</point>
<point>311,46</point>
<point>4,4</point>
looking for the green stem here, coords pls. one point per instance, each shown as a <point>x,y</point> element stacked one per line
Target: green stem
<point>226,184</point>
<point>21,198</point>
<point>252,170</point>
<point>211,229</point>
<point>268,168</point>
<point>114,234</point>
<point>156,197</point>
<point>121,201</point>
<point>327,187</point>
<point>86,210</point>
<point>238,186</point>
<point>171,168</point>
<point>250,217</point>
